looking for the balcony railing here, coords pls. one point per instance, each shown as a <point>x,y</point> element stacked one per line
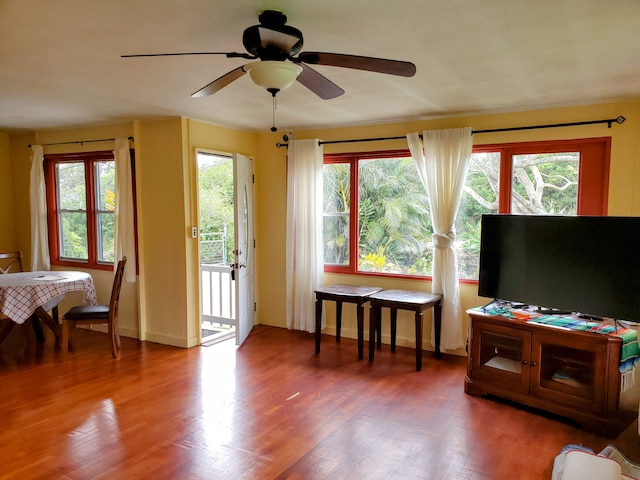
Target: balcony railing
<point>217,294</point>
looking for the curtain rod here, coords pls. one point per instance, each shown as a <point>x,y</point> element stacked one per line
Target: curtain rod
<point>81,142</point>
<point>620,119</point>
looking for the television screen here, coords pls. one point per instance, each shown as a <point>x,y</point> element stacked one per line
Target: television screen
<point>587,265</point>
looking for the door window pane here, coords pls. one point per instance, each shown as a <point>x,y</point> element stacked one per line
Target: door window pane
<point>545,184</point>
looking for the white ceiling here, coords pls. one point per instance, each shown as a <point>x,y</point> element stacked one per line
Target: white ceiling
<point>60,63</point>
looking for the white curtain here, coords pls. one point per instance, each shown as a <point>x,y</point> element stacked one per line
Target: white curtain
<point>124,232</point>
<point>305,262</point>
<point>442,160</point>
<point>40,259</point>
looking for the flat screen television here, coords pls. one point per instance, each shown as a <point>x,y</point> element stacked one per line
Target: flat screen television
<point>586,265</point>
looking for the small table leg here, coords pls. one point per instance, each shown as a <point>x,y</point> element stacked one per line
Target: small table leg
<point>374,320</point>
<point>394,328</point>
<point>418,341</point>
<point>360,318</point>
<point>6,330</point>
<point>37,328</point>
<point>318,323</point>
<point>338,320</point>
<point>49,322</point>
<point>437,325</point>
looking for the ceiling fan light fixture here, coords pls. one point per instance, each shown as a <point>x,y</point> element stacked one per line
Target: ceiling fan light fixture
<point>273,74</point>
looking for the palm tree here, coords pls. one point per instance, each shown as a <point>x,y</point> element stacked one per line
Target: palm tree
<point>393,214</point>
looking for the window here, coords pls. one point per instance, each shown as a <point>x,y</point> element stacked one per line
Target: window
<point>568,177</point>
<point>385,227</point>
<point>376,212</point>
<point>81,208</point>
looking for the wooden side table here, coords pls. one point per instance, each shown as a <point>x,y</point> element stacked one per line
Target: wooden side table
<point>417,302</point>
<point>339,294</point>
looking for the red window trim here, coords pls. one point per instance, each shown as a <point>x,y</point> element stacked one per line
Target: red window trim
<point>88,158</point>
<point>352,159</point>
<point>595,180</point>
<point>593,183</point>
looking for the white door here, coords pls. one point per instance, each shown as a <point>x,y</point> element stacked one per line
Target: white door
<point>244,253</point>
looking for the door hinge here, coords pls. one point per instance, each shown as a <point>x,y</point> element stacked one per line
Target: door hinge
<point>255,307</point>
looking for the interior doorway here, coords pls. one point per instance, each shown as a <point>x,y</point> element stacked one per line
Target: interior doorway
<point>216,245</point>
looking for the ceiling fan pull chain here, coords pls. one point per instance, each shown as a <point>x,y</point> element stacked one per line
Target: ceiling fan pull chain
<point>273,120</point>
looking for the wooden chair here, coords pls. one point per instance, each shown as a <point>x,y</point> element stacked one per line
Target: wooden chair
<point>11,262</point>
<point>95,315</point>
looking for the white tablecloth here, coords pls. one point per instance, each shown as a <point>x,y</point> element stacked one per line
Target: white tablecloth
<point>22,293</point>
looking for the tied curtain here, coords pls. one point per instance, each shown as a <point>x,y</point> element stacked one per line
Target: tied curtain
<point>304,252</point>
<point>40,259</point>
<point>442,161</point>
<point>124,233</point>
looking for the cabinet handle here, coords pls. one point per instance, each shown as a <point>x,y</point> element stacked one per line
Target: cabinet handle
<point>534,364</point>
<point>524,362</point>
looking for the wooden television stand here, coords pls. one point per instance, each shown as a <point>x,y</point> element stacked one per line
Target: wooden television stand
<point>574,374</point>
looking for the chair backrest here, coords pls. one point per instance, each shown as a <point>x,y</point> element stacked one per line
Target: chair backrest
<point>117,285</point>
<point>10,262</point>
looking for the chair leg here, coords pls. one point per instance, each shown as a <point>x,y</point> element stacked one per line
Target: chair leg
<point>115,340</point>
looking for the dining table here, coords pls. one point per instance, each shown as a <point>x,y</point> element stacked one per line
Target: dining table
<point>25,294</point>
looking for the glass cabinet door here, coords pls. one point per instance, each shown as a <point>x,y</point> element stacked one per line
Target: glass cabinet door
<point>502,355</point>
<point>568,373</point>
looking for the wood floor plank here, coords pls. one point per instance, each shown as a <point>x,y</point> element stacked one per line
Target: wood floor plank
<point>271,409</point>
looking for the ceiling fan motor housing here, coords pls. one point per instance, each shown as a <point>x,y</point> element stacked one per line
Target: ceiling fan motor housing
<point>272,39</point>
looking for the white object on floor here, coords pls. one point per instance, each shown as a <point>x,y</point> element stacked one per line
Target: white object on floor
<point>586,466</point>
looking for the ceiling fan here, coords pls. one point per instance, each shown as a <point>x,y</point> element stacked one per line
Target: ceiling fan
<point>276,48</point>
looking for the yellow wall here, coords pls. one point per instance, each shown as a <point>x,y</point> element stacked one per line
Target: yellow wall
<point>21,165</point>
<point>163,306</point>
<point>8,240</point>
<point>624,192</point>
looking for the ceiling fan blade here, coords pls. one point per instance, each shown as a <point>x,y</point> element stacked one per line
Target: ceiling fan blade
<point>228,54</point>
<point>380,65</point>
<point>220,83</point>
<point>318,84</point>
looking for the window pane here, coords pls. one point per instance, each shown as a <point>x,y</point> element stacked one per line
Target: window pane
<point>394,223</point>
<point>73,235</point>
<point>480,196</point>
<point>336,213</point>
<point>72,215</point>
<point>105,178</point>
<point>105,237</point>
<point>216,213</point>
<point>71,186</point>
<point>105,198</point>
<point>545,184</point>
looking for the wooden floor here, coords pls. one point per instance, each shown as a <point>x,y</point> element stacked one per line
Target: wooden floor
<point>271,409</point>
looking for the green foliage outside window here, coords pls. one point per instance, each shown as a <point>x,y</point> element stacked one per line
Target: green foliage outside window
<point>394,220</point>
<point>216,205</point>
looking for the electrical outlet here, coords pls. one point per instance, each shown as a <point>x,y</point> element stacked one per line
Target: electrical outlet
<point>194,232</point>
